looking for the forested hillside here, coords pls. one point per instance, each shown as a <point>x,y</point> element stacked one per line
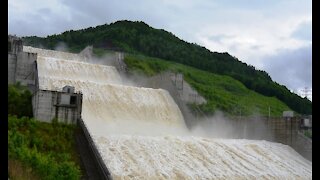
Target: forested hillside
<point>139,38</point>
<point>221,92</point>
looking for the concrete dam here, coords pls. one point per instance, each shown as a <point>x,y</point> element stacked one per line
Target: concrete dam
<point>140,132</point>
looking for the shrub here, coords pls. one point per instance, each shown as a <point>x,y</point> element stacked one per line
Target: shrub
<point>50,157</point>
<point>19,100</point>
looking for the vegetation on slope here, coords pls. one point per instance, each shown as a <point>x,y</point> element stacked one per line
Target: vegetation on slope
<point>19,100</point>
<point>39,149</point>
<point>138,37</point>
<point>221,92</point>
<point>47,148</point>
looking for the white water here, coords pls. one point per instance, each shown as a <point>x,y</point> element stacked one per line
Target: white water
<point>140,132</point>
<point>174,157</point>
<point>54,54</point>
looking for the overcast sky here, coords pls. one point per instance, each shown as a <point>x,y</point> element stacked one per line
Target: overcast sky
<point>272,35</point>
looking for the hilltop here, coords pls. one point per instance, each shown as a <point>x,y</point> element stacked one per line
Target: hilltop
<point>138,38</point>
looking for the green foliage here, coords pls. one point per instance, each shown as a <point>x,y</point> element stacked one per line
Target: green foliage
<point>46,148</point>
<point>99,52</point>
<point>19,100</point>
<point>139,38</point>
<point>221,92</point>
<point>49,150</point>
<point>308,133</point>
<point>145,65</point>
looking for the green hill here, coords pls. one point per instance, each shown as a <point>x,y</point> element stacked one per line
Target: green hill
<point>221,92</point>
<point>139,38</point>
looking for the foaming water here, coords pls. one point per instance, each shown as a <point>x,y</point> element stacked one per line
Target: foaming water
<point>174,157</point>
<point>54,54</point>
<point>141,134</point>
<point>109,107</point>
<point>58,69</point>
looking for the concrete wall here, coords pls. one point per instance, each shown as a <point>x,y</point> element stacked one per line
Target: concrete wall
<point>186,92</point>
<point>303,145</point>
<point>25,68</point>
<point>274,129</point>
<point>48,105</point>
<point>12,64</point>
<point>15,44</point>
<point>114,58</point>
<point>20,64</point>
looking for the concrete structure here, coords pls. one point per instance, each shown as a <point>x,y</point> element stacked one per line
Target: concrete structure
<point>275,129</point>
<point>87,52</point>
<point>287,114</point>
<point>14,44</point>
<point>186,92</point>
<point>68,89</point>
<point>21,65</point>
<point>306,122</point>
<point>109,58</point>
<point>64,106</point>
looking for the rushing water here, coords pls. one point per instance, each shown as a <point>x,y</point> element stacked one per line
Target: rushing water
<point>140,132</point>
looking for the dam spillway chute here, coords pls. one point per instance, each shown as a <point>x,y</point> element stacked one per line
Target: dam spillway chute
<point>140,132</point>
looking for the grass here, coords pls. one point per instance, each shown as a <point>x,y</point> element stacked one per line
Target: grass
<point>308,133</point>
<point>221,92</point>
<point>18,171</point>
<point>99,52</point>
<point>47,150</point>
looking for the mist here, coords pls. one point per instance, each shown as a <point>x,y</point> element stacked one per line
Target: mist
<point>220,126</point>
<point>215,126</point>
<point>61,46</point>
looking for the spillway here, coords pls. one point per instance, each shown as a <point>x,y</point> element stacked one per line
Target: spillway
<point>140,132</point>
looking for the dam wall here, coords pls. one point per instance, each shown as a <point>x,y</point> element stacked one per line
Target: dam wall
<point>21,65</point>
<point>21,68</point>
<point>12,64</point>
<point>140,133</point>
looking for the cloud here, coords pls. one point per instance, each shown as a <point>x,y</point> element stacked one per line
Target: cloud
<point>38,17</point>
<point>241,37</point>
<point>303,31</point>
<point>291,67</point>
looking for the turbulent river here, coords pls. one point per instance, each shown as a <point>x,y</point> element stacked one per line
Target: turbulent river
<point>140,132</point>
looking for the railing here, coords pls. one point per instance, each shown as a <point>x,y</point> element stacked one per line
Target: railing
<point>102,167</point>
